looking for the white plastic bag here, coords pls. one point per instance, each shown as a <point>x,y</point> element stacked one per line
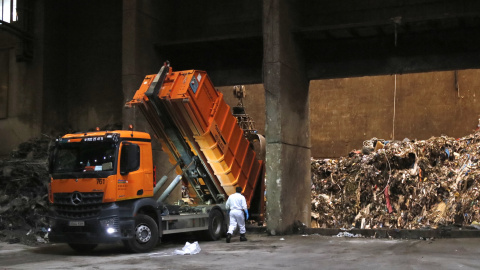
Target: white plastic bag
<point>188,249</point>
<point>347,234</point>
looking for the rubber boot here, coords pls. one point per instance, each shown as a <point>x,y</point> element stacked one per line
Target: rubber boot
<point>229,237</point>
<point>243,238</point>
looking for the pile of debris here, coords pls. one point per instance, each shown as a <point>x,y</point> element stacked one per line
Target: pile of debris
<point>23,193</point>
<point>409,184</point>
<point>24,183</point>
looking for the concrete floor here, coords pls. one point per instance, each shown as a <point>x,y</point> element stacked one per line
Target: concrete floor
<point>260,252</point>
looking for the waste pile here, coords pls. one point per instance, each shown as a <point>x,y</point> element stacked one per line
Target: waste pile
<point>409,184</point>
<point>23,193</point>
<point>24,183</point>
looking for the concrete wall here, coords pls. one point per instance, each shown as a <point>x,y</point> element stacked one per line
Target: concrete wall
<point>21,86</point>
<point>73,81</point>
<point>83,86</point>
<point>348,111</point>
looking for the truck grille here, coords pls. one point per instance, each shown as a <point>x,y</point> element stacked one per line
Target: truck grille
<point>78,205</point>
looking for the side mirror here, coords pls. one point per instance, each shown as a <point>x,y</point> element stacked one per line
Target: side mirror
<point>130,158</point>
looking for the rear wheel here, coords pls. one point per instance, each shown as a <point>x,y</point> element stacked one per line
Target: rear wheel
<point>146,235</point>
<point>82,248</point>
<point>216,225</point>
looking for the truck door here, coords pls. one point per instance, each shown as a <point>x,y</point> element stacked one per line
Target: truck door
<point>130,183</point>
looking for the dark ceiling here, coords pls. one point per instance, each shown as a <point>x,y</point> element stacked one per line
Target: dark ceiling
<point>337,39</point>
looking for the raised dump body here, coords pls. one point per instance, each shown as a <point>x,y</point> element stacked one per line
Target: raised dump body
<point>200,134</point>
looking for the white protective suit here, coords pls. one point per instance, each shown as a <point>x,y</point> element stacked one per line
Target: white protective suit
<point>237,205</point>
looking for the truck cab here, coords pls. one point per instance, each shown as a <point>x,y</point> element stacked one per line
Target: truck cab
<point>98,181</point>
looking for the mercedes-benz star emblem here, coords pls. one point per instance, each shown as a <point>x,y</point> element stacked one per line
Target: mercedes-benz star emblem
<point>76,198</point>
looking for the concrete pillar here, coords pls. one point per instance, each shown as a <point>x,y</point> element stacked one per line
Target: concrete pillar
<point>139,58</point>
<point>144,25</point>
<point>287,121</point>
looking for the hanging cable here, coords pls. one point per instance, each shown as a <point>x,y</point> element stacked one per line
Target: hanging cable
<point>394,107</point>
<point>457,86</point>
<point>397,21</point>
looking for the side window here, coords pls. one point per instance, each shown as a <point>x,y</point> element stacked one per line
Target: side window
<point>130,158</point>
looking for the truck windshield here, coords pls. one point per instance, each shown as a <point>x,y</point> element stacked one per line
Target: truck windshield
<point>84,157</point>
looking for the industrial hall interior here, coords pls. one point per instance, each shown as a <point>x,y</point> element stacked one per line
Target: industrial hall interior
<point>326,114</point>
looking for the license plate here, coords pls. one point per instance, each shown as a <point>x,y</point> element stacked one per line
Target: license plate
<point>76,223</point>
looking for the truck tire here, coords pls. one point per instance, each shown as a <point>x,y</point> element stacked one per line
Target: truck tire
<point>216,225</point>
<point>82,248</point>
<point>146,235</point>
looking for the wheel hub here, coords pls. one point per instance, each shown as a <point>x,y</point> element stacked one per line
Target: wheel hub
<point>143,233</point>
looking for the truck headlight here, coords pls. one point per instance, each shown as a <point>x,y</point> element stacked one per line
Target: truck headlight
<point>110,224</point>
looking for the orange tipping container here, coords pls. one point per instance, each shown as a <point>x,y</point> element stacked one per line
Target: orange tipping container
<point>202,113</point>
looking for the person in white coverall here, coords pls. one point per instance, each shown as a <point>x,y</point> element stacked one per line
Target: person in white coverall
<point>237,204</point>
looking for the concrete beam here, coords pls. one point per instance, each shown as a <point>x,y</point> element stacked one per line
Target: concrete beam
<point>432,50</point>
<point>287,121</point>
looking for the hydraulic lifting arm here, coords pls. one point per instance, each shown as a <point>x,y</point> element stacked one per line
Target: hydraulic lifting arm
<point>199,133</point>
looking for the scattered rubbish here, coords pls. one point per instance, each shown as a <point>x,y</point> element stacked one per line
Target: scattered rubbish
<point>299,226</point>
<point>475,225</point>
<point>409,184</point>
<point>347,234</point>
<point>282,239</point>
<point>41,240</point>
<point>189,249</point>
<point>160,254</point>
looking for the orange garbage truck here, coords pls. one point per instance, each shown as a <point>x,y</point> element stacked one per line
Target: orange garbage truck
<point>104,188</point>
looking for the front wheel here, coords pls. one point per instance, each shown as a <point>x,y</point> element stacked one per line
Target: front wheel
<point>146,235</point>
